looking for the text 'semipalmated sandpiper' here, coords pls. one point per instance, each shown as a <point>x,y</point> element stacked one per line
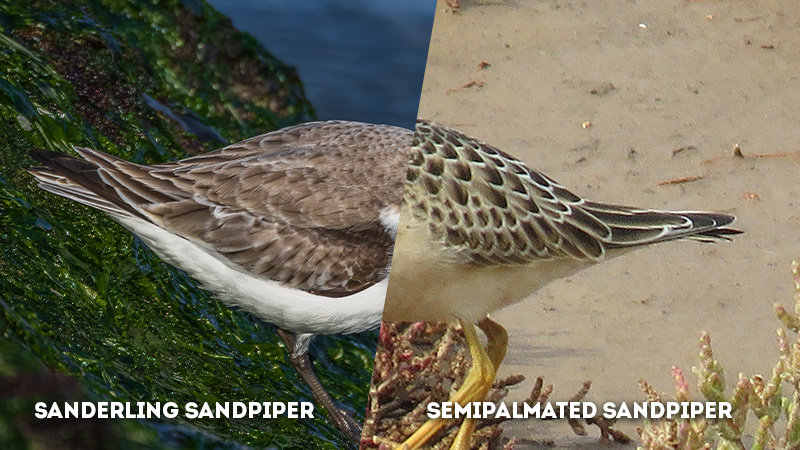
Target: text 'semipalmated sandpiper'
<point>295,226</point>
<point>480,230</point>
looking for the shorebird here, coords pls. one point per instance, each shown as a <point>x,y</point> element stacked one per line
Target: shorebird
<point>295,226</point>
<point>480,230</point>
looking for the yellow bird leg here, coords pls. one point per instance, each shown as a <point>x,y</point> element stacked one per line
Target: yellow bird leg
<point>497,344</point>
<point>497,341</point>
<point>476,385</point>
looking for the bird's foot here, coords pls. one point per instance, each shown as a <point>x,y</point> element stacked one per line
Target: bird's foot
<point>475,388</point>
<point>344,420</point>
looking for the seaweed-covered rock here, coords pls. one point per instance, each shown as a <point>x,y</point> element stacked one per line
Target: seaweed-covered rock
<point>148,81</point>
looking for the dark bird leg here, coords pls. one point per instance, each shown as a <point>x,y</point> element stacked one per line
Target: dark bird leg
<point>340,418</point>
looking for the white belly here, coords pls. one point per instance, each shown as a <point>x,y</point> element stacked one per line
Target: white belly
<point>290,309</point>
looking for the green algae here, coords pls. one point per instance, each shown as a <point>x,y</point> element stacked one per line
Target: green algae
<point>148,81</point>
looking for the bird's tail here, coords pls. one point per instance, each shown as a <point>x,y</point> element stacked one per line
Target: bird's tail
<point>96,180</point>
<point>634,227</point>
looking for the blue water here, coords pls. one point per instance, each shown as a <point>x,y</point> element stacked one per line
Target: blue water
<point>359,59</point>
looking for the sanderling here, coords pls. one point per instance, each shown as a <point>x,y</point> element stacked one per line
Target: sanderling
<point>295,226</point>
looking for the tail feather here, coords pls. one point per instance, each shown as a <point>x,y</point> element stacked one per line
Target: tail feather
<point>719,234</point>
<point>80,180</point>
<point>131,178</point>
<point>634,227</point>
<point>80,195</point>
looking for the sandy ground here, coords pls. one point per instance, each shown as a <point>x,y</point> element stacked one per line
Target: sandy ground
<point>697,75</point>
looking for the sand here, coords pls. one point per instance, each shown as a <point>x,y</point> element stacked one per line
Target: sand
<point>612,99</point>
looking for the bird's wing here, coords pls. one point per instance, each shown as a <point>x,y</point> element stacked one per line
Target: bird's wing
<point>302,205</point>
<point>490,208</point>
